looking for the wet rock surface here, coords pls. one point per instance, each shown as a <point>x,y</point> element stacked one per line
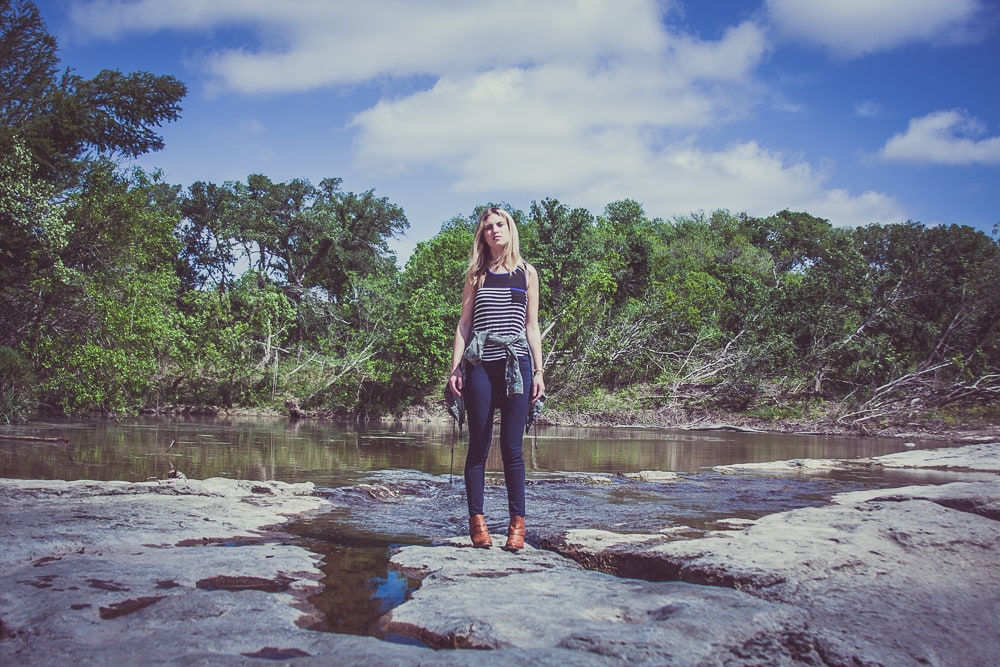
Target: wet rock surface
<point>618,569</point>
<point>491,599</point>
<point>101,573</point>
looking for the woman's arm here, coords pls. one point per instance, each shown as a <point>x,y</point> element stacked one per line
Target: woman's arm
<point>461,338</point>
<point>534,334</point>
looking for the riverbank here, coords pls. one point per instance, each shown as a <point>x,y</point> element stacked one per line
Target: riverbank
<point>202,572</point>
<point>966,427</point>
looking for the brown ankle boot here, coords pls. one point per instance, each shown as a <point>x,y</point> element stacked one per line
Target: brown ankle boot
<point>479,531</point>
<point>515,534</point>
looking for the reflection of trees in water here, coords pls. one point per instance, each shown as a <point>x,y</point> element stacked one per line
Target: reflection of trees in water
<point>331,454</point>
<point>358,587</point>
<point>350,576</point>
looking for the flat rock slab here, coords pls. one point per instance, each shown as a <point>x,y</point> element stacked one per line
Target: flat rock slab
<point>899,577</point>
<point>192,572</point>
<point>492,599</point>
<point>180,572</point>
<point>975,458</point>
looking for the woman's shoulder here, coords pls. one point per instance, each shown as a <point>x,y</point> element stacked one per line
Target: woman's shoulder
<point>529,271</point>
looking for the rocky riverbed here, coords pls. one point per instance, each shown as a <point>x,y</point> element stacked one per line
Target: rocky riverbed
<point>205,572</point>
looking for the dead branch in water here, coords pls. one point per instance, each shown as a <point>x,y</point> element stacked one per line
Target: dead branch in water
<point>31,438</point>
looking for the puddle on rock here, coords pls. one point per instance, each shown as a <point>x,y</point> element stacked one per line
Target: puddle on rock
<point>391,509</point>
<point>358,588</point>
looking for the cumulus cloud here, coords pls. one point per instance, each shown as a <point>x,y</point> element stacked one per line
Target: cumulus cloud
<point>742,177</point>
<point>590,101</point>
<point>314,43</point>
<point>852,28</point>
<point>944,137</point>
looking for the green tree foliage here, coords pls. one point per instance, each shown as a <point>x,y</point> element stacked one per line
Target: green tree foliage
<point>209,233</point>
<point>305,236</point>
<point>232,344</point>
<point>62,118</point>
<point>561,244</point>
<point>431,286</point>
<point>933,320</point>
<point>325,252</point>
<point>120,292</point>
<point>86,283</point>
<point>110,322</point>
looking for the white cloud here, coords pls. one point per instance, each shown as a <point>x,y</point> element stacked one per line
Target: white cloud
<point>591,136</point>
<point>314,43</point>
<point>589,101</point>
<point>867,109</point>
<point>743,177</point>
<point>944,137</point>
<point>852,28</point>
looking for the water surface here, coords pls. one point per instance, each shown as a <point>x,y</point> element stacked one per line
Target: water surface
<point>332,455</point>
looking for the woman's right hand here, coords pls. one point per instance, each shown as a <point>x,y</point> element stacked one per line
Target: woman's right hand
<point>455,382</point>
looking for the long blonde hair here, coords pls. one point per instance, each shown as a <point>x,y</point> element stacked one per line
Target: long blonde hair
<point>479,256</point>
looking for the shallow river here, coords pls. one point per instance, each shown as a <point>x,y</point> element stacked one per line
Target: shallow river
<point>355,543</point>
<point>333,455</point>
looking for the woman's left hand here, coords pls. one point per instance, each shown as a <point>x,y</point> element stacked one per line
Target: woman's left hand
<point>537,386</point>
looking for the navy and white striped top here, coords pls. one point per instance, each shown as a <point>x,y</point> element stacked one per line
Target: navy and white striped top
<point>501,308</point>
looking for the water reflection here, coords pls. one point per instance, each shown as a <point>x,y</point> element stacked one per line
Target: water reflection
<point>333,455</point>
<point>358,586</point>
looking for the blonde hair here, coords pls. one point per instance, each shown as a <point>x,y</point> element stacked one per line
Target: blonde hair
<point>479,256</point>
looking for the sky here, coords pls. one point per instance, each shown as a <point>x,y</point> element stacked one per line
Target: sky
<point>855,111</point>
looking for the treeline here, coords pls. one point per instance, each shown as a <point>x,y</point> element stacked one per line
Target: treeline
<point>120,292</point>
<point>779,317</point>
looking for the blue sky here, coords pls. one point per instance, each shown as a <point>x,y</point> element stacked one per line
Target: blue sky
<point>856,111</point>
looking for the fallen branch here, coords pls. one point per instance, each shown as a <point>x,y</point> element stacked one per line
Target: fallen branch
<point>32,438</point>
<point>722,427</point>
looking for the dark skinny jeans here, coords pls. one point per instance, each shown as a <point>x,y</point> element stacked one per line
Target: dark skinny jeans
<point>485,391</point>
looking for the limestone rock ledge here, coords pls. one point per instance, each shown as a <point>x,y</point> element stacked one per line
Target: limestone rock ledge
<point>199,573</point>
<point>186,572</point>
<point>901,576</point>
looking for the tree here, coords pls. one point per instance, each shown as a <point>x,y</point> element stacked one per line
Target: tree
<point>431,285</point>
<point>303,236</point>
<point>562,247</point>
<point>35,233</point>
<point>60,119</point>
<point>628,240</point>
<point>208,233</point>
<point>86,279</point>
<point>106,329</point>
<point>793,239</point>
<point>934,314</point>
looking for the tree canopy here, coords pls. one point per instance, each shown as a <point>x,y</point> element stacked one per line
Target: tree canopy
<point>120,292</point>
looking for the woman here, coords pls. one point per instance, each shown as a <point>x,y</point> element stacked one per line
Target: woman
<point>496,364</point>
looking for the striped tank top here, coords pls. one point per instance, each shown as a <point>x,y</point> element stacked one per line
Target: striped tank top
<point>501,308</point>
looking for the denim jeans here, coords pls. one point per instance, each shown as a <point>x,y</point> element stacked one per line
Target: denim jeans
<point>485,392</point>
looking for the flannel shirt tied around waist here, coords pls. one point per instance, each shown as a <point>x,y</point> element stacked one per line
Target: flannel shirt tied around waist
<point>481,339</point>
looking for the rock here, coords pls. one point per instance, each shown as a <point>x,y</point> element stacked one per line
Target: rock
<point>851,567</point>
<point>734,523</point>
<point>978,457</point>
<point>101,573</point>
<point>652,476</point>
<point>969,458</point>
<point>490,599</point>
<point>199,572</point>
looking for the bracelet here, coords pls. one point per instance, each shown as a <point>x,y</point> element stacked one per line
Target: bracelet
<point>537,371</point>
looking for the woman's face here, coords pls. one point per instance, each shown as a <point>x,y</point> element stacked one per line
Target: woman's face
<point>496,233</point>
